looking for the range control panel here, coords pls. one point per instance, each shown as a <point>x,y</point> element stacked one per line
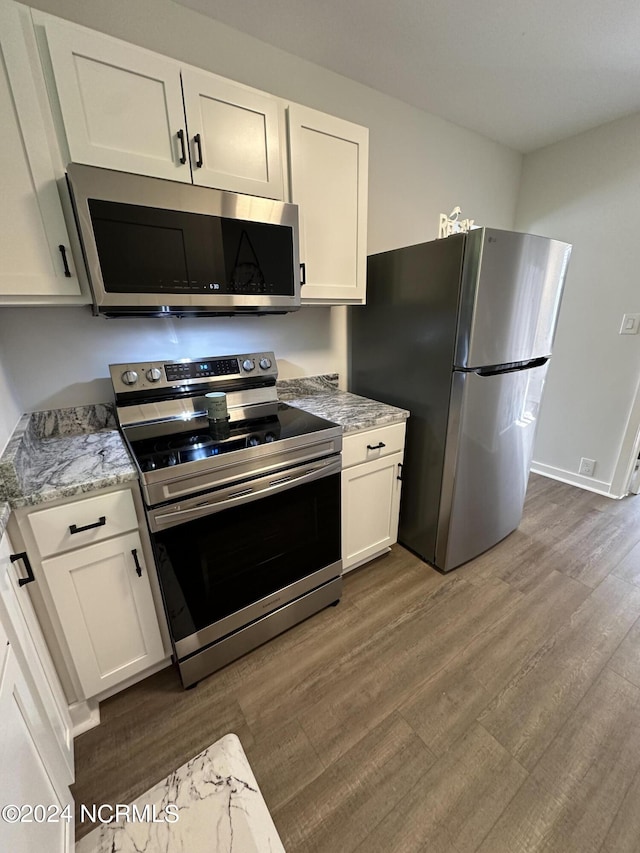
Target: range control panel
<point>143,376</point>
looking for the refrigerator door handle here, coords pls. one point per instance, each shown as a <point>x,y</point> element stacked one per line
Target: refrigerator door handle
<point>496,369</point>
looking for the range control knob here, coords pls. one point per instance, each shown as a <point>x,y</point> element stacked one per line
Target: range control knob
<point>248,364</point>
<point>129,377</point>
<point>154,374</point>
<point>265,363</point>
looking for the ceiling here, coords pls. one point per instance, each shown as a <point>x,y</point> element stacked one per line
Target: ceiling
<point>523,72</point>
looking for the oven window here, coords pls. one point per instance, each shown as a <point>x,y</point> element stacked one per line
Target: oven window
<point>214,566</point>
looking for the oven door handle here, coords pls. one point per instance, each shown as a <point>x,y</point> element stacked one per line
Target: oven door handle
<point>261,488</point>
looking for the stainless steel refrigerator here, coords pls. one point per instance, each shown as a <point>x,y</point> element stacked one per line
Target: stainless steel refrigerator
<point>459,331</point>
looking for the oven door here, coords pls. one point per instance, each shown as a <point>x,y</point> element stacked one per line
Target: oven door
<point>232,556</point>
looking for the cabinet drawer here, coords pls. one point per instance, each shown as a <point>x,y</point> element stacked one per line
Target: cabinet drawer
<point>83,522</point>
<point>372,444</point>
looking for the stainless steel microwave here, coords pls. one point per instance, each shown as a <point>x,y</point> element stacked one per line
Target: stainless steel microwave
<point>161,248</point>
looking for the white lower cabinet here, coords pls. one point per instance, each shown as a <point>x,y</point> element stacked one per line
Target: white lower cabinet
<point>104,603</point>
<point>25,634</point>
<point>371,493</point>
<point>96,594</point>
<point>26,780</point>
<point>36,749</point>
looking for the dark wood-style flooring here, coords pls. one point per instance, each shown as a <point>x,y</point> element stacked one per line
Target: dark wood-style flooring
<point>496,708</point>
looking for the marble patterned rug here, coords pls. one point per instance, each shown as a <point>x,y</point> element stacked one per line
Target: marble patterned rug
<point>212,804</point>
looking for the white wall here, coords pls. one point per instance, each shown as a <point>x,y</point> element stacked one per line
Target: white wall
<point>10,410</point>
<point>420,165</point>
<point>586,190</point>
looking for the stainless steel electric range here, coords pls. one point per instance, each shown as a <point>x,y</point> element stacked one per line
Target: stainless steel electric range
<point>243,511</point>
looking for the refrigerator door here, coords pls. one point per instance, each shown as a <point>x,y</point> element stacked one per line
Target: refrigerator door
<point>511,289</point>
<point>492,425</point>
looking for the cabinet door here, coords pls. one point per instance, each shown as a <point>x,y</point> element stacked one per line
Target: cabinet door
<point>19,618</point>
<point>233,135</point>
<point>121,105</point>
<point>329,168</point>
<point>370,508</point>
<point>104,602</point>
<point>32,226</point>
<point>25,777</point>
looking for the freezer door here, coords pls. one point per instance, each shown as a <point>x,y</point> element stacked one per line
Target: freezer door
<point>489,448</point>
<point>510,296</point>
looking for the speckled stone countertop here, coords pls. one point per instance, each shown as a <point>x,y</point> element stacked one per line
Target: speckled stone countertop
<point>67,452</point>
<point>62,453</point>
<point>320,396</point>
<point>5,512</point>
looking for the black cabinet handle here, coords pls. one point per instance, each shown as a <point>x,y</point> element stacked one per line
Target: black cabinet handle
<point>399,477</point>
<point>198,143</point>
<point>65,262</point>
<point>99,523</point>
<point>303,274</point>
<point>376,446</point>
<point>180,136</point>
<point>134,552</point>
<point>25,559</point>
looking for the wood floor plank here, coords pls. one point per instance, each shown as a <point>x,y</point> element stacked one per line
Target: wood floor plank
<point>284,761</point>
<point>450,701</point>
<point>459,799</point>
<point>528,713</point>
<point>317,654</point>
<point>339,808</point>
<point>576,789</point>
<point>499,651</point>
<point>378,680</point>
<point>442,710</point>
<point>507,637</point>
<point>629,567</point>
<point>626,660</point>
<point>518,560</point>
<point>593,548</point>
<point>624,833</point>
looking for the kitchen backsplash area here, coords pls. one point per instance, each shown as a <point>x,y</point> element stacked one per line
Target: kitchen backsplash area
<point>66,361</point>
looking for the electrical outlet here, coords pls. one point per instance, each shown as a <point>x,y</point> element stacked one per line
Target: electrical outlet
<point>630,324</point>
<point>587,467</point>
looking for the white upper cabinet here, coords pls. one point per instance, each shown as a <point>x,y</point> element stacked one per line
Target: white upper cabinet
<point>34,241</point>
<point>121,105</point>
<point>329,168</point>
<point>233,135</point>
<point>127,108</point>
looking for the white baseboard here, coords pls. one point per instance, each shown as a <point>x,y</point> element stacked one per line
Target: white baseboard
<point>366,560</point>
<point>84,716</point>
<point>600,487</point>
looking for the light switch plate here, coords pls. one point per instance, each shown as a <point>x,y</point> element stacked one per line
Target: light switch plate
<point>630,324</point>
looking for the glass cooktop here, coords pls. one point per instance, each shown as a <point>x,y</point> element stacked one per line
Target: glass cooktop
<point>171,443</point>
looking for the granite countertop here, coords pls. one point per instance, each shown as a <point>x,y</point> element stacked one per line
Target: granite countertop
<point>62,453</point>
<point>320,396</point>
<point>5,512</point>
<point>67,452</point>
